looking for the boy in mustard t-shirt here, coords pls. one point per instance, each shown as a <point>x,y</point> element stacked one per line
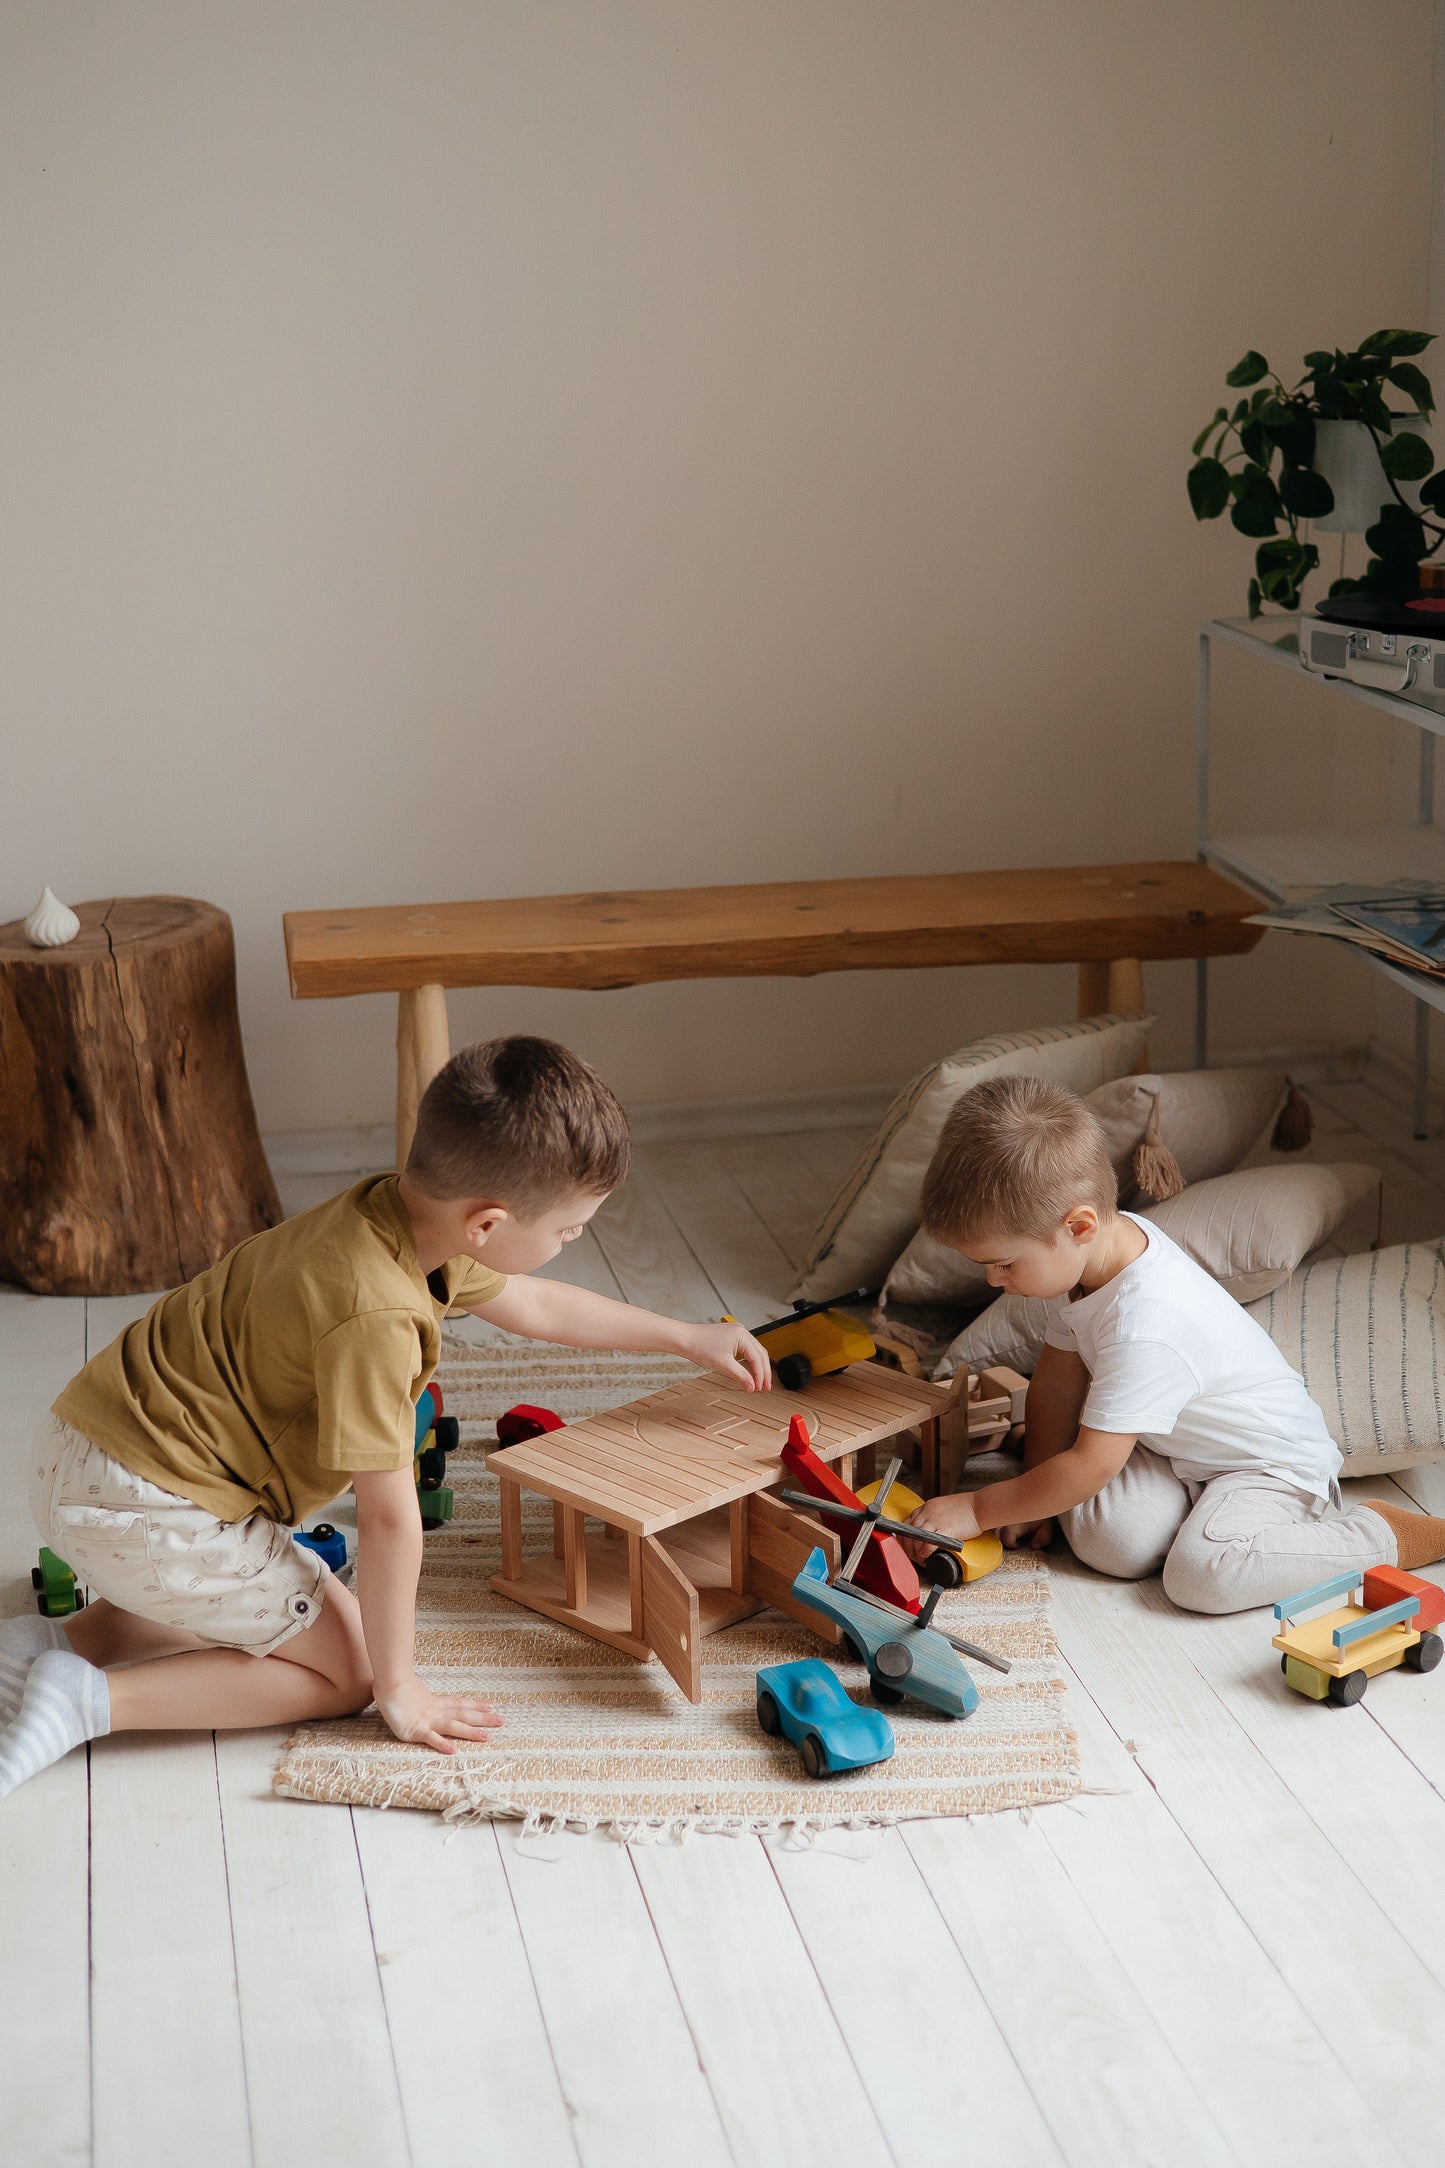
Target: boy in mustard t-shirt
<point>171,1470</point>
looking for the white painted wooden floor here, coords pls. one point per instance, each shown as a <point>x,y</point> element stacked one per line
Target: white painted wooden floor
<point>1232,1949</point>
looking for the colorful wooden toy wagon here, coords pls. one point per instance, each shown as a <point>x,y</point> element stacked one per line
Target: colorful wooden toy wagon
<point>1330,1656</point>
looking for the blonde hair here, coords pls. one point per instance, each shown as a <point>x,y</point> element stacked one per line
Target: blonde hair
<point>522,1122</point>
<point>1015,1157</point>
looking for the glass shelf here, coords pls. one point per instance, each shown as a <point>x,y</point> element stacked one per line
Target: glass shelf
<point>1275,638</point>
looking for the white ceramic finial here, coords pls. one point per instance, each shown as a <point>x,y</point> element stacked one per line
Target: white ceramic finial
<point>52,923</point>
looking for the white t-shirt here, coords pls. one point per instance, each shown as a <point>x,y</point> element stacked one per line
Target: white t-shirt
<point>1175,1360</point>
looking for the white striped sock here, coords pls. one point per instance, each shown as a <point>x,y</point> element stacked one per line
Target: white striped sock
<point>21,1641</point>
<point>66,1701</point>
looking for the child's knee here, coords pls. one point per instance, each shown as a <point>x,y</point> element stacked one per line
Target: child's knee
<point>1194,1583</point>
<point>1106,1546</point>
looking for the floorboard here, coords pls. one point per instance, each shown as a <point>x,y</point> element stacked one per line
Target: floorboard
<point>320,2073</point>
<point>629,2066</point>
<point>45,1969</point>
<point>169,2077</point>
<point>1354,1975</point>
<point>785,2085</point>
<point>729,1239</point>
<point>461,2005</point>
<point>941,2078</point>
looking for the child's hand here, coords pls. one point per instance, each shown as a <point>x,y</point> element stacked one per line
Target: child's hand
<point>731,1349</point>
<point>1027,1535</point>
<point>946,1517</point>
<point>423,1718</point>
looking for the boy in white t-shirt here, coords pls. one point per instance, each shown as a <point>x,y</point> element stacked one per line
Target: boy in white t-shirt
<point>1164,1429</point>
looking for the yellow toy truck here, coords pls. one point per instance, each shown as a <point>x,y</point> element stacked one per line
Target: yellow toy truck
<point>1329,1657</point>
<point>815,1340</point>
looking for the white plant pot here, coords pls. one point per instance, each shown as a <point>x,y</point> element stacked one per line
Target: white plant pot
<point>1345,455</point>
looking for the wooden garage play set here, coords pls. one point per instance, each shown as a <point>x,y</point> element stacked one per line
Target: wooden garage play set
<point>692,1538</point>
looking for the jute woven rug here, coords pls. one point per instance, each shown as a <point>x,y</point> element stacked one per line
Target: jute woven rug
<point>593,1739</point>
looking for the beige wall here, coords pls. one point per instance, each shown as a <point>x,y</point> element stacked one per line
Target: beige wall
<point>481,448</point>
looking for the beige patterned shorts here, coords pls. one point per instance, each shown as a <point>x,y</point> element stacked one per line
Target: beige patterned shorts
<point>243,1584</point>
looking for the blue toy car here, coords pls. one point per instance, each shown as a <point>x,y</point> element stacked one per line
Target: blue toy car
<point>905,1657</point>
<point>328,1543</point>
<point>807,1703</point>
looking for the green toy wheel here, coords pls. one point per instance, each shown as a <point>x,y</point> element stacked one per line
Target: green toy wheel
<point>1426,1653</point>
<point>1345,1692</point>
<point>815,1761</point>
<point>768,1715</point>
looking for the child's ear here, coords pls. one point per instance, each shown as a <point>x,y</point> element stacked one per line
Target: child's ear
<point>1082,1224</point>
<point>482,1221</point>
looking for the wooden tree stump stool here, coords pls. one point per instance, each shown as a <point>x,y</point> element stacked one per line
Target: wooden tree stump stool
<point>129,1154</point>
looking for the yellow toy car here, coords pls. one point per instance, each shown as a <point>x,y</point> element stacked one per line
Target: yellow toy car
<point>980,1554</point>
<point>814,1341</point>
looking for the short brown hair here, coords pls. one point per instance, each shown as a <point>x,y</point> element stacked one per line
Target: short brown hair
<point>520,1121</point>
<point>1016,1155</point>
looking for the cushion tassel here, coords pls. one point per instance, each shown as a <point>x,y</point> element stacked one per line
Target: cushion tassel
<point>1296,1124</point>
<point>1156,1170</point>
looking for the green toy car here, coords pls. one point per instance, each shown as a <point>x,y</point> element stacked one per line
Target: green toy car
<point>56,1592</point>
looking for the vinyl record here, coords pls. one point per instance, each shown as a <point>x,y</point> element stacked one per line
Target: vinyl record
<point>1426,613</point>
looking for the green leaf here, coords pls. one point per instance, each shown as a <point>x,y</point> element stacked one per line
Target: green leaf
<point>1249,370</point>
<point>1318,360</point>
<point>1254,598</point>
<point>1432,493</point>
<point>1346,587</point>
<point>1396,342</point>
<point>1208,488</point>
<point>1406,458</point>
<point>1397,536</point>
<point>1297,440</point>
<point>1255,444</point>
<point>1307,494</point>
<point>1207,431</point>
<point>1415,385</point>
<point>1257,506</point>
<point>1399,577</point>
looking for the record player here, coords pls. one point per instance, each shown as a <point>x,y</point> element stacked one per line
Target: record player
<point>1376,641</point>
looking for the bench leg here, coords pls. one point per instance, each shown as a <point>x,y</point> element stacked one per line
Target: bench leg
<point>1116,989</point>
<point>423,1045</point>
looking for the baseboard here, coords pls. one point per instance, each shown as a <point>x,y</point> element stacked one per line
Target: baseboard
<point>684,1121</point>
<point>694,1121</point>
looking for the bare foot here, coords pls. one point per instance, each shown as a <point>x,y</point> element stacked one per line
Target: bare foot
<point>1028,1536</point>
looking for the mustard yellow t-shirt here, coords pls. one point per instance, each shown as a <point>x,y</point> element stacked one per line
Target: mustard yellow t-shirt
<point>294,1363</point>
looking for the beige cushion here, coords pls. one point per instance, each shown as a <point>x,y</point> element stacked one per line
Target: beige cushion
<point>876,1210</point>
<point>1251,1230</point>
<point>1209,1118</point>
<point>1366,1333</point>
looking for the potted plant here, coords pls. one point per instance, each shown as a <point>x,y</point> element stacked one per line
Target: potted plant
<point>1265,462</point>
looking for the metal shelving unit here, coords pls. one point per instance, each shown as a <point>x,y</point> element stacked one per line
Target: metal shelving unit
<point>1289,867</point>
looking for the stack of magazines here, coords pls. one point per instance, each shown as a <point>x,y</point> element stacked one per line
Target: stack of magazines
<point>1403,923</point>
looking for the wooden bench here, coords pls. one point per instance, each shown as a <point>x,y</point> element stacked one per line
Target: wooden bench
<point>1106,919</point>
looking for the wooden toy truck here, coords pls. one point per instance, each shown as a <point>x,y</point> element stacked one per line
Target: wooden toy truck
<point>1331,1656</point>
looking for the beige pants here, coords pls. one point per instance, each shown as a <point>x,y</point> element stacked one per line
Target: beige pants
<point>1226,1545</point>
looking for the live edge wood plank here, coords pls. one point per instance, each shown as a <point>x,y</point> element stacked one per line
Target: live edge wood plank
<point>1044,914</point>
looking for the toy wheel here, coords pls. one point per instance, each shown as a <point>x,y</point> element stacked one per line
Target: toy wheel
<point>883,1693</point>
<point>894,1660</point>
<point>449,1433</point>
<point>37,1578</point>
<point>944,1569</point>
<point>1426,1653</point>
<point>1284,1665</point>
<point>793,1372</point>
<point>1345,1692</point>
<point>769,1716</point>
<point>815,1761</point>
<point>854,1649</point>
<point>429,1521</point>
